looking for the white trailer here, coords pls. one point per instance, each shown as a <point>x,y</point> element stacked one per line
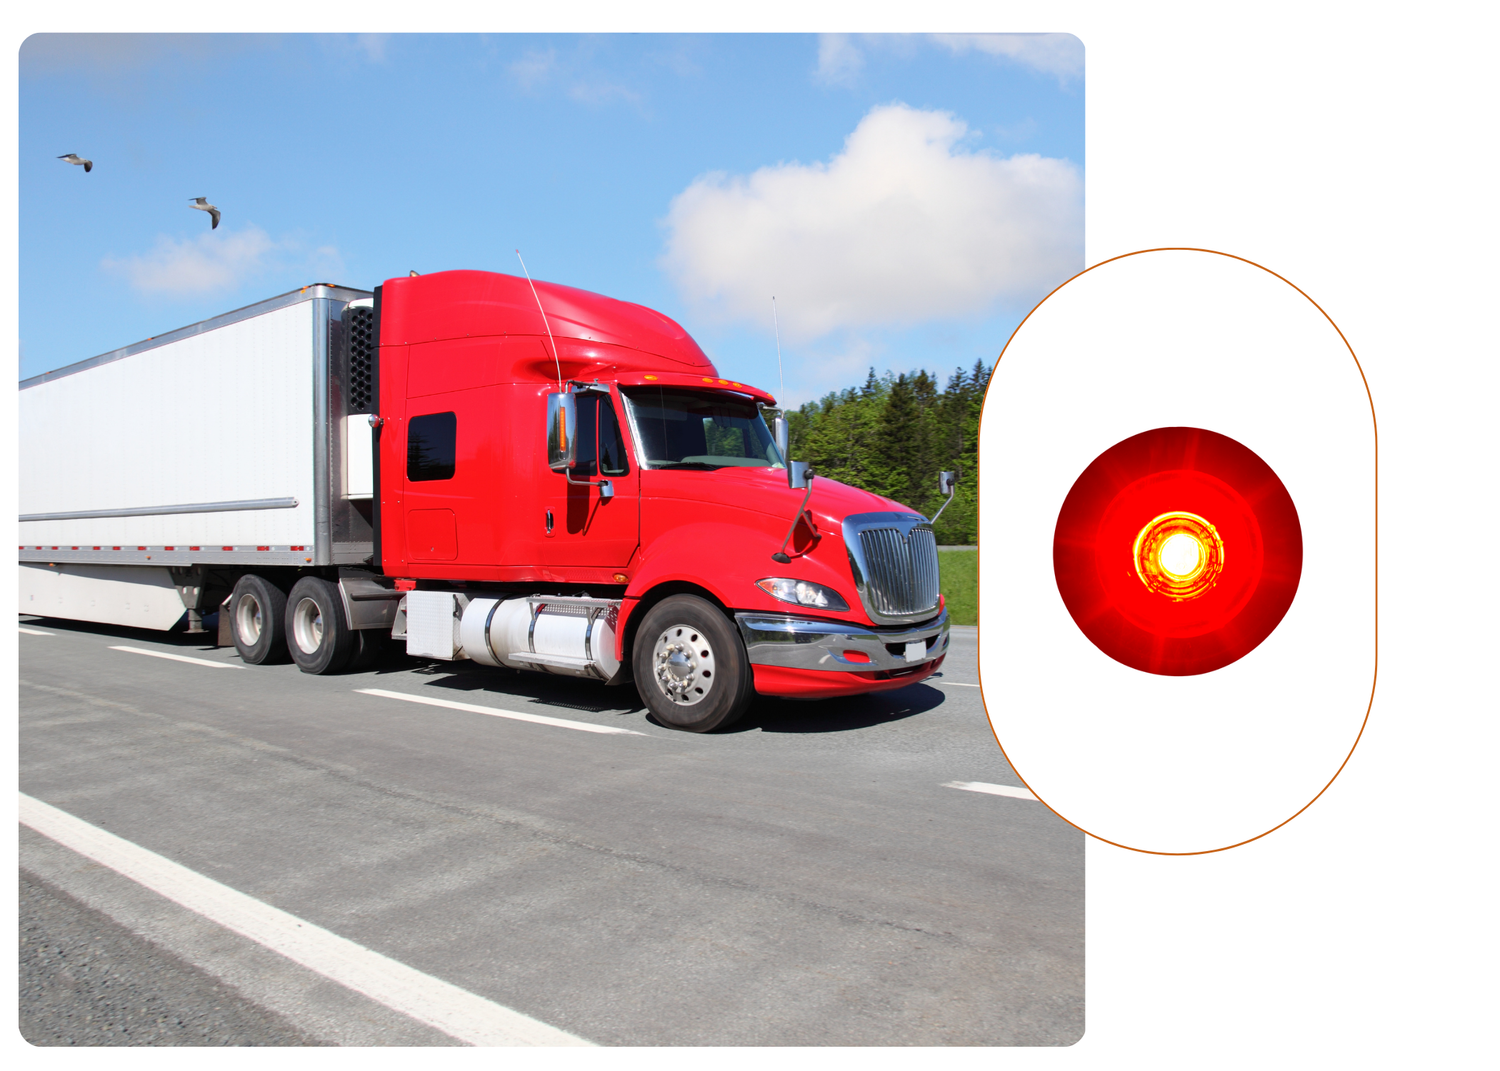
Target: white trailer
<point>127,517</point>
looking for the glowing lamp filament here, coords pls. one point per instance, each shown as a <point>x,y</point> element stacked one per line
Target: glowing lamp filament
<point>1178,555</point>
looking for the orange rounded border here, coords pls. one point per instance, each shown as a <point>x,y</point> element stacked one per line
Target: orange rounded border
<point>1374,428</point>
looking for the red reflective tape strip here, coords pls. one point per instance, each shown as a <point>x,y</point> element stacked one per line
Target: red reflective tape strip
<point>114,548</point>
<point>296,548</point>
<point>226,548</point>
<point>142,548</point>
<point>262,548</point>
<point>168,548</point>
<point>98,548</point>
<point>189,548</point>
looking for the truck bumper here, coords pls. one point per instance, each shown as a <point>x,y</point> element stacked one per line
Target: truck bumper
<point>806,657</point>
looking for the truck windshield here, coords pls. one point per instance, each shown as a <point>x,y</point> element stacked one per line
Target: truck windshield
<point>683,429</point>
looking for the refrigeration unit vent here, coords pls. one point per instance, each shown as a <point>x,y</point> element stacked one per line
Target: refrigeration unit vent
<point>359,337</point>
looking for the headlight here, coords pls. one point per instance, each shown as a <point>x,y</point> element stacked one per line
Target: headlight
<point>802,593</point>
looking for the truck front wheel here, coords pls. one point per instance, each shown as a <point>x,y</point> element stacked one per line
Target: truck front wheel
<point>690,665</point>
<point>256,609</point>
<point>317,635</point>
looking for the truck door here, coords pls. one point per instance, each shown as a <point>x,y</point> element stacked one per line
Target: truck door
<point>587,528</point>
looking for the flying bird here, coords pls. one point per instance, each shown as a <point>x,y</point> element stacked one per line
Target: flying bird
<point>74,158</point>
<point>202,205</point>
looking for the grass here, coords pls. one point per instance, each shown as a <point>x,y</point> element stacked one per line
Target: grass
<point>958,574</point>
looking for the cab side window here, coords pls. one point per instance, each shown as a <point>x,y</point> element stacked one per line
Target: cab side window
<point>431,445</point>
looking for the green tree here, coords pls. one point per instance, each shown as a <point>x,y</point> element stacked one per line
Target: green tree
<point>892,436</point>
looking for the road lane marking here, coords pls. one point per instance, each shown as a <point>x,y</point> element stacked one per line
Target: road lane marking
<point>178,657</point>
<point>456,1012</point>
<point>993,790</point>
<point>474,708</point>
<point>957,684</point>
<point>35,631</point>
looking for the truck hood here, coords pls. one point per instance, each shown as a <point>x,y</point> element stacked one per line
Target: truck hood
<point>764,490</point>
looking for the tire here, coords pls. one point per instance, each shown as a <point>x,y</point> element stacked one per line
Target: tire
<point>690,665</point>
<point>318,637</point>
<point>257,614</point>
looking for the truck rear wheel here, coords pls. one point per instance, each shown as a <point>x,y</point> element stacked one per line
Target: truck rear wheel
<point>256,611</point>
<point>690,665</point>
<point>318,637</point>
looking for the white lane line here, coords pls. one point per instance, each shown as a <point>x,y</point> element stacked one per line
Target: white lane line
<point>475,708</point>
<point>35,631</point>
<point>456,1012</point>
<point>957,684</point>
<point>993,790</point>
<point>178,657</point>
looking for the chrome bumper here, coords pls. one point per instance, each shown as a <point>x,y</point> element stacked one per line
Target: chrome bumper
<point>805,643</point>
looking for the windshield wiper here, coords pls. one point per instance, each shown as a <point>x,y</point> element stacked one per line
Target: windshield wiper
<point>684,465</point>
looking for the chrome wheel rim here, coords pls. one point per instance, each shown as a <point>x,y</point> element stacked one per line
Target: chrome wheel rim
<point>682,663</point>
<point>307,625</point>
<point>248,620</point>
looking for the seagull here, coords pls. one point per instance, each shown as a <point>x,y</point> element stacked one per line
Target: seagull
<point>74,158</point>
<point>202,205</point>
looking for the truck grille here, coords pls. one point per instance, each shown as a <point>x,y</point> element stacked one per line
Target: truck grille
<point>895,564</point>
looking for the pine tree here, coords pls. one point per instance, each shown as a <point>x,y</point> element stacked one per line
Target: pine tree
<point>892,436</point>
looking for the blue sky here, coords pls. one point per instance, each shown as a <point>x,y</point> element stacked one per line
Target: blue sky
<point>906,198</point>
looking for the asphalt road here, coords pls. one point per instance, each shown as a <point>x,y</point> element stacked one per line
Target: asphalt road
<point>806,878</point>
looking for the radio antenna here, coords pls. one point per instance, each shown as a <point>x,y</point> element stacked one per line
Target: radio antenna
<point>545,323</point>
<point>779,376</point>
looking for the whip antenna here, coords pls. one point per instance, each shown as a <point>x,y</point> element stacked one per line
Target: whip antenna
<point>548,326</point>
<point>779,376</point>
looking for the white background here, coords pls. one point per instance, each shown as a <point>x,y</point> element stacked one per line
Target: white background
<point>1171,339</point>
<point>1349,148</point>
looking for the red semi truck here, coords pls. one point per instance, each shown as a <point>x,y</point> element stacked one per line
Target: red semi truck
<point>535,477</point>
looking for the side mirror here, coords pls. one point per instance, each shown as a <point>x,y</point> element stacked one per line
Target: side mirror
<point>799,474</point>
<point>947,481</point>
<point>562,432</point>
<point>782,433</point>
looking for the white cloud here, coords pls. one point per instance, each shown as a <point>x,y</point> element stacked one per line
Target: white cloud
<point>900,227</point>
<point>373,45</point>
<point>534,67</point>
<point>1059,54</point>
<point>219,261</point>
<point>839,59</point>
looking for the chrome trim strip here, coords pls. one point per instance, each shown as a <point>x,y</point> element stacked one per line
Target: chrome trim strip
<point>809,643</point>
<point>156,511</point>
<point>488,621</point>
<point>322,455</point>
<point>292,297</point>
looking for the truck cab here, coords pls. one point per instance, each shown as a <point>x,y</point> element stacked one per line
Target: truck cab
<point>650,532</point>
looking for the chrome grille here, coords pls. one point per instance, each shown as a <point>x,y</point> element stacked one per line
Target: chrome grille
<point>896,565</point>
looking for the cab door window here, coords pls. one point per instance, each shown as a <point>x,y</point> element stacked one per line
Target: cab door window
<point>601,446</point>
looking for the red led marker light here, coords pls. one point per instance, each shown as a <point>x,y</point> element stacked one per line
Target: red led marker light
<point>1178,555</point>
<point>1177,551</point>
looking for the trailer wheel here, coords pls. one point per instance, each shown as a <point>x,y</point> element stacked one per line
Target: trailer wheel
<point>318,637</point>
<point>257,609</point>
<point>690,665</point>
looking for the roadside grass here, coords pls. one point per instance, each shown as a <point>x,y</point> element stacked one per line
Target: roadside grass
<point>958,575</point>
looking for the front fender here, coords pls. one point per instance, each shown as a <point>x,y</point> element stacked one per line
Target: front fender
<point>726,560</point>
